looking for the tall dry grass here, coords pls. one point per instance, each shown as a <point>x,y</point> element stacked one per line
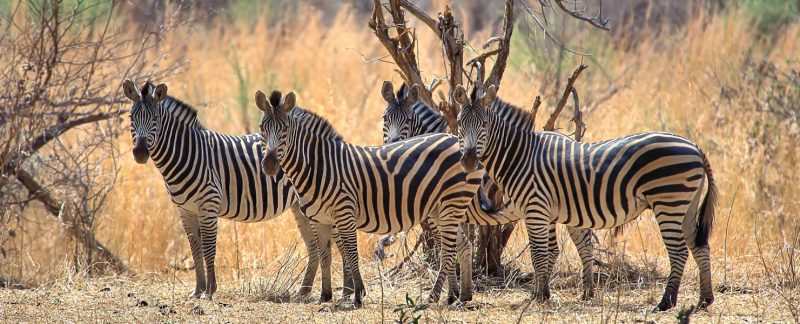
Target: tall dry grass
<point>705,81</point>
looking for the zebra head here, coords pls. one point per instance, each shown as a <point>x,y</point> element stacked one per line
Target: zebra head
<point>397,115</point>
<point>144,117</point>
<point>472,120</point>
<point>274,127</point>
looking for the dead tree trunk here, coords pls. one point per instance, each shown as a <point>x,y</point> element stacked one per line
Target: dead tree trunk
<point>491,240</point>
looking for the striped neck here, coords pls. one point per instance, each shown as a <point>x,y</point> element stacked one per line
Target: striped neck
<point>508,149</point>
<point>177,134</point>
<point>425,120</point>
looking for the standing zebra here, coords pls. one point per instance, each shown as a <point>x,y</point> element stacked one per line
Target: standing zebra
<point>406,116</point>
<point>384,189</point>
<point>210,175</point>
<point>594,185</point>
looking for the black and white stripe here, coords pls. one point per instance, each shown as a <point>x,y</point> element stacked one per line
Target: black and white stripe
<point>406,116</point>
<point>594,185</point>
<point>383,189</point>
<point>210,175</point>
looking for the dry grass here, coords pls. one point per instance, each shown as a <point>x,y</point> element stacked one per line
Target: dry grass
<point>706,82</point>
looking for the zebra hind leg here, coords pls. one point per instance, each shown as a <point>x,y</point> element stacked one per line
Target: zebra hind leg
<point>669,223</point>
<point>191,226</point>
<point>311,242</point>
<point>582,238</point>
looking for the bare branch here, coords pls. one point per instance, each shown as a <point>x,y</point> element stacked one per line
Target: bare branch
<point>551,122</point>
<point>596,21</point>
<point>580,127</point>
<point>505,47</point>
<point>54,207</point>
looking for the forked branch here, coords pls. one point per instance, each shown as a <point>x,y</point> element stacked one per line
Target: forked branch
<point>550,125</point>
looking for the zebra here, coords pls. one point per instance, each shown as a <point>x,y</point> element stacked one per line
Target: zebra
<point>406,116</point>
<point>383,189</point>
<point>211,175</point>
<point>597,185</point>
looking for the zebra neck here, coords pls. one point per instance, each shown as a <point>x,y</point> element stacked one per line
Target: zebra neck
<point>428,121</point>
<point>175,145</point>
<point>506,151</point>
<point>305,155</point>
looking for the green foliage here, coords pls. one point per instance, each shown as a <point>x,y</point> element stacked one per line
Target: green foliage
<point>769,16</point>
<point>410,312</point>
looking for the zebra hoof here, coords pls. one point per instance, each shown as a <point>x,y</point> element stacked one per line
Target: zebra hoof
<point>587,295</point>
<point>325,297</point>
<point>206,295</point>
<point>541,296</point>
<point>451,300</point>
<point>704,302</point>
<point>304,291</point>
<point>195,294</point>
<point>664,305</point>
<point>357,302</point>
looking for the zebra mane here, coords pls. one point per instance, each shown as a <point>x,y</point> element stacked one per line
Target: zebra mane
<point>513,115</point>
<point>316,123</point>
<point>181,111</point>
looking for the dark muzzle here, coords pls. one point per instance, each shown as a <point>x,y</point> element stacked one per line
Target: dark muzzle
<point>140,153</point>
<point>469,161</point>
<point>270,163</point>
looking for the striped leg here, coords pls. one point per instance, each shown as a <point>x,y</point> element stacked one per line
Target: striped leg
<point>552,244</point>
<point>307,234</point>
<point>464,248</point>
<point>208,234</point>
<point>191,226</point>
<point>448,238</point>
<point>670,220</point>
<point>583,242</point>
<point>702,256</point>
<point>538,227</point>
<point>346,228</point>
<point>347,278</point>
<point>322,233</point>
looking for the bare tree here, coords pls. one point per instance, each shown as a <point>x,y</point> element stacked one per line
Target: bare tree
<point>401,47</point>
<point>62,74</point>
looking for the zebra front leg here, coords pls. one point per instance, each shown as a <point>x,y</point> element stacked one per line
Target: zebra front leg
<point>464,248</point>
<point>448,238</point>
<point>538,227</point>
<point>208,234</point>
<point>583,242</point>
<point>191,226</point>
<point>310,240</point>
<point>323,234</point>
<point>346,230</point>
<point>347,278</point>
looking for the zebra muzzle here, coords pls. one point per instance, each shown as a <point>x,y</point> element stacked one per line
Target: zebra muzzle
<point>469,161</point>
<point>140,152</point>
<point>270,163</point>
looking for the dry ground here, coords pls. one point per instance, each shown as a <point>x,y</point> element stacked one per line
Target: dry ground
<point>159,297</point>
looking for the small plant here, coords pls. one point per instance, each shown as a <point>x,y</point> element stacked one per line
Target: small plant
<point>410,312</point>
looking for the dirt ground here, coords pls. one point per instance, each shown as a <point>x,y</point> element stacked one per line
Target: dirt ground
<point>160,298</point>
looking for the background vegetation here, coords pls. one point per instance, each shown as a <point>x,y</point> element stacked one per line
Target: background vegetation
<point>725,74</point>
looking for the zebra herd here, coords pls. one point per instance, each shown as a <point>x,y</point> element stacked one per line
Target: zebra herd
<point>421,174</point>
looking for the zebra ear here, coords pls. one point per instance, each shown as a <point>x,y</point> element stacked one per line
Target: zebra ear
<point>288,102</point>
<point>489,95</point>
<point>461,95</point>
<point>130,90</point>
<point>160,93</point>
<point>261,101</point>
<point>387,91</point>
<point>413,94</point>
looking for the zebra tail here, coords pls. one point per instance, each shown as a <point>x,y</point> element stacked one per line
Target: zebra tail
<point>707,209</point>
